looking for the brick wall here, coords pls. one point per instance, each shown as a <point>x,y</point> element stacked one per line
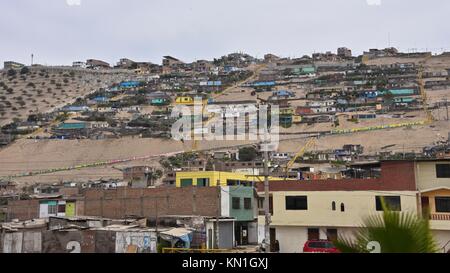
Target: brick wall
<point>395,176</point>
<point>122,202</point>
<point>23,210</point>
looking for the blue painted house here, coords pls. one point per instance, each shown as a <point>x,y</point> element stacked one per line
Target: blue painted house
<point>283,93</point>
<point>130,84</point>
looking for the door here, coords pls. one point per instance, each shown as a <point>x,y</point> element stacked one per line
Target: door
<point>425,206</point>
<point>244,235</point>
<point>43,210</point>
<point>313,234</point>
<point>70,209</point>
<point>332,234</point>
<point>210,239</point>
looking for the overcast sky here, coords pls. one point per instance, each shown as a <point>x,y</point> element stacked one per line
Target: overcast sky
<point>146,30</point>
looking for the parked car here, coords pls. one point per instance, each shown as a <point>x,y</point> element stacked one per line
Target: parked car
<point>320,246</point>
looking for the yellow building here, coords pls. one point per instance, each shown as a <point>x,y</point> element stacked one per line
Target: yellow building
<point>433,183</point>
<point>211,178</point>
<point>186,100</point>
<point>296,119</point>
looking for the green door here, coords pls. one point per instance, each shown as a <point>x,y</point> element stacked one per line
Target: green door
<point>186,182</point>
<point>70,209</point>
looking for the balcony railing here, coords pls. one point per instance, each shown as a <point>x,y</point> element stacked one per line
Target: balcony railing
<point>440,217</point>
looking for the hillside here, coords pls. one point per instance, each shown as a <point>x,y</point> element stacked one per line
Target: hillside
<point>42,89</point>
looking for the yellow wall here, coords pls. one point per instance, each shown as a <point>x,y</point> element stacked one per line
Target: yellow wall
<point>433,194</point>
<point>214,177</point>
<point>296,119</point>
<point>184,100</point>
<point>358,205</point>
<point>426,176</point>
<point>438,224</point>
<point>427,181</point>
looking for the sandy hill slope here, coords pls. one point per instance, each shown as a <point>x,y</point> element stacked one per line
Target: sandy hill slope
<point>42,89</point>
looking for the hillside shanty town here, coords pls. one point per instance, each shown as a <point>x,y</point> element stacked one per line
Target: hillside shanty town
<point>89,162</point>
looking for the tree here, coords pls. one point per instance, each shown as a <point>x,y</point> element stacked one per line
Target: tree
<point>24,70</point>
<point>247,154</point>
<point>395,232</point>
<point>388,99</point>
<point>12,73</point>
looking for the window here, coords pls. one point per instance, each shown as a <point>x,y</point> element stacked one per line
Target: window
<point>392,203</point>
<point>296,203</point>
<point>186,182</point>
<point>203,182</point>
<point>247,203</point>
<point>52,208</point>
<point>61,208</point>
<point>332,234</point>
<point>443,170</point>
<point>333,206</point>
<point>442,204</point>
<point>313,234</point>
<point>236,203</point>
<point>260,202</point>
<point>342,207</point>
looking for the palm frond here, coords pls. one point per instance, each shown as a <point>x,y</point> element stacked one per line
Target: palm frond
<point>396,232</point>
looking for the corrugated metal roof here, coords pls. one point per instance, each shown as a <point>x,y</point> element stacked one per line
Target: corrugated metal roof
<point>72,126</point>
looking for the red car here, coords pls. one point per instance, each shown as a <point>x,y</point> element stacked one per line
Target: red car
<point>320,246</point>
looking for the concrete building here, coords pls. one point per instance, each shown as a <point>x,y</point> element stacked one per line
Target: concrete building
<point>214,178</point>
<point>203,66</point>
<point>344,52</point>
<point>97,64</point>
<point>271,58</point>
<point>79,64</point>
<point>139,176</point>
<point>44,206</point>
<point>12,65</point>
<point>126,64</point>
<point>326,209</point>
<point>171,64</point>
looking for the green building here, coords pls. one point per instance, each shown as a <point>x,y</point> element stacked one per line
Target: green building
<point>239,202</point>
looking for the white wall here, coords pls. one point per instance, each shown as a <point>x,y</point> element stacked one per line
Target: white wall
<point>225,201</point>
<point>442,237</point>
<point>43,210</point>
<point>253,232</point>
<point>358,205</point>
<point>261,231</point>
<point>292,239</point>
<point>143,240</point>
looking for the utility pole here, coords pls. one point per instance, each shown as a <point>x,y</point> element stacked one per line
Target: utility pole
<point>266,200</point>
<point>446,107</point>
<point>157,215</point>
<point>217,246</point>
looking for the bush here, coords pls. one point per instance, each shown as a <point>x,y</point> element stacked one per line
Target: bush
<point>24,70</point>
<point>12,73</point>
<point>247,154</point>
